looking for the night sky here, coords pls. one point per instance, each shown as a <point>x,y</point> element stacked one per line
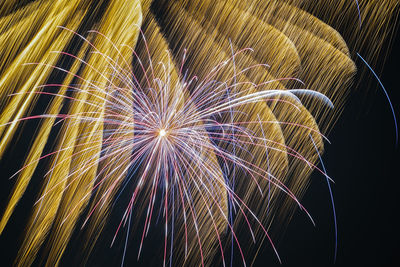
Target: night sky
<point>362,159</point>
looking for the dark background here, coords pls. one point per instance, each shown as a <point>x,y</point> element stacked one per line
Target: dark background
<point>364,162</point>
<point>362,159</point>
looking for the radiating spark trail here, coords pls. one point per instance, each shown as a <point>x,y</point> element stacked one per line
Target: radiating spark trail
<point>387,97</point>
<point>172,134</point>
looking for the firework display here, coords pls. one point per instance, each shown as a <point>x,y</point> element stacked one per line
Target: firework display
<point>201,121</point>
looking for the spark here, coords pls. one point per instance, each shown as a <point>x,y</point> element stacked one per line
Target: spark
<point>162,132</point>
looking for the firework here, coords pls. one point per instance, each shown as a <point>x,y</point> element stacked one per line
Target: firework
<point>208,123</point>
<point>172,143</point>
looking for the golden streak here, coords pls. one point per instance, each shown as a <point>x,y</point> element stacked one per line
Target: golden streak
<point>306,44</point>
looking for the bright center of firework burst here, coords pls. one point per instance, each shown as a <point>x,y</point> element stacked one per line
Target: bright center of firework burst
<point>162,132</point>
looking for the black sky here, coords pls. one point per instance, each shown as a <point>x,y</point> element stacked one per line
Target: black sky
<point>362,159</point>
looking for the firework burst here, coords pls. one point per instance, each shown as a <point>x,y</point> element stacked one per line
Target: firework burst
<point>175,144</point>
<point>185,136</point>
